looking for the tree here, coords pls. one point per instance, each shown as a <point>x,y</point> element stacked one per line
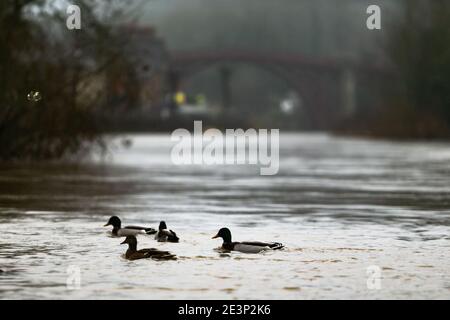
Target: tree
<point>66,69</point>
<point>420,49</point>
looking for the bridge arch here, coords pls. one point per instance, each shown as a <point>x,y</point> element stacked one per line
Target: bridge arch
<point>315,81</point>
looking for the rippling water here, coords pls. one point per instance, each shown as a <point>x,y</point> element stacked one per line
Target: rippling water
<point>340,206</point>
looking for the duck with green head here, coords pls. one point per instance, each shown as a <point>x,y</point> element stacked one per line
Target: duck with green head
<point>165,235</point>
<point>247,246</point>
<point>120,231</point>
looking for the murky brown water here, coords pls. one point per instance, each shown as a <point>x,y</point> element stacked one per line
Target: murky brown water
<point>340,206</point>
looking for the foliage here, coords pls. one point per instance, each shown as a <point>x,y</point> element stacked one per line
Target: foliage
<point>65,66</point>
<point>419,46</point>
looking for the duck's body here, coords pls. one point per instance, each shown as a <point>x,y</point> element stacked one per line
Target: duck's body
<point>251,247</point>
<point>133,254</point>
<point>247,246</point>
<point>118,231</point>
<point>165,235</point>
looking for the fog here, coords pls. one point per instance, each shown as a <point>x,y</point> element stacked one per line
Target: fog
<point>319,28</point>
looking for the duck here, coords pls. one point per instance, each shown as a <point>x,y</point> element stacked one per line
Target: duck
<point>118,231</point>
<point>134,254</point>
<point>164,234</point>
<point>245,247</point>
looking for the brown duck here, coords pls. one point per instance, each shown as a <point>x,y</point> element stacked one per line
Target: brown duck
<point>134,254</point>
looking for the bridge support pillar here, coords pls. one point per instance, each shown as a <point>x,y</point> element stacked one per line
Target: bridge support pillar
<point>225,78</point>
<point>348,92</point>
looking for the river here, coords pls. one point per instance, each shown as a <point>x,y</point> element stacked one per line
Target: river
<point>360,220</point>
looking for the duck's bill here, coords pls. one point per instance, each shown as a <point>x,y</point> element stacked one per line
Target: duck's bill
<point>216,236</point>
<point>106,225</point>
<point>124,241</point>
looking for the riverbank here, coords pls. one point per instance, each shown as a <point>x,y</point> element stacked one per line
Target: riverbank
<point>399,124</point>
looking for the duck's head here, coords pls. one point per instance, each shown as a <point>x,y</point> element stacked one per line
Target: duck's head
<point>162,225</point>
<point>225,234</point>
<point>114,221</point>
<point>131,240</point>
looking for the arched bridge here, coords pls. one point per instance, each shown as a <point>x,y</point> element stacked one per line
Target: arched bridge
<point>331,89</point>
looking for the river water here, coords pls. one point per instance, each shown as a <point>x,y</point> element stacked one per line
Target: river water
<point>360,219</point>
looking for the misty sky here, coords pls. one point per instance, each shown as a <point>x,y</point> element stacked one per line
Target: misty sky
<point>318,27</point>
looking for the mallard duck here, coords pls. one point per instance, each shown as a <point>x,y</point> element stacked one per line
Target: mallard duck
<point>246,247</point>
<point>165,235</point>
<point>134,254</point>
<point>128,230</point>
